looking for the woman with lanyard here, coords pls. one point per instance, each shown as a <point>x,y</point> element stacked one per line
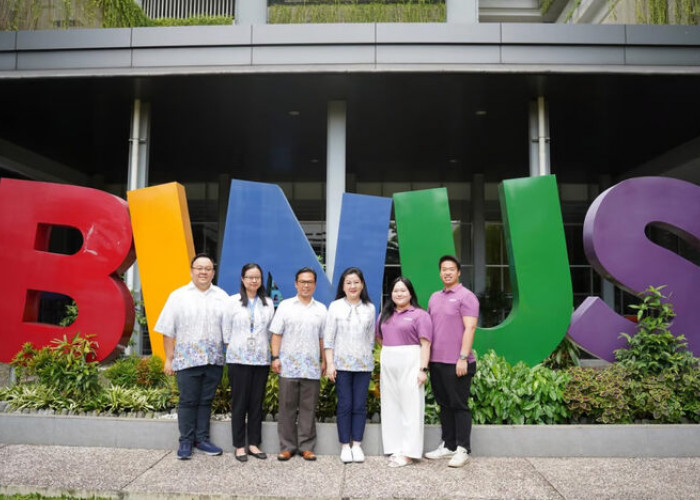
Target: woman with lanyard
<point>348,343</point>
<point>405,331</point>
<point>248,359</point>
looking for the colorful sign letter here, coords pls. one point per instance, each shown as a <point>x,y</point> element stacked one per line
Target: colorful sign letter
<point>618,248</point>
<point>164,247</point>
<point>28,210</point>
<point>539,273</point>
<point>425,234</point>
<point>261,227</point>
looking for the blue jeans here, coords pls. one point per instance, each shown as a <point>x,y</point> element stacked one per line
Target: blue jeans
<point>351,388</point>
<point>197,387</point>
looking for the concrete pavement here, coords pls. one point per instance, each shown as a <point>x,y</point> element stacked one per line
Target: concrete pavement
<point>141,473</point>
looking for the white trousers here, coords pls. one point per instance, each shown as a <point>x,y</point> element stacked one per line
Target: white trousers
<point>403,402</point>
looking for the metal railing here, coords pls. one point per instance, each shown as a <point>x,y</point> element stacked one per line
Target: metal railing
<point>157,9</point>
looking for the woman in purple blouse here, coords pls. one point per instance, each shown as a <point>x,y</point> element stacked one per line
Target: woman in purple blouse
<point>405,331</point>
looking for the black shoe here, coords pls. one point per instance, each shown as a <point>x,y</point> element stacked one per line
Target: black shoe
<point>261,455</point>
<point>240,458</point>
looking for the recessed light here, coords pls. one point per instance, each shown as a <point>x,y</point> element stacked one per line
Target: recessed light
<point>480,112</point>
<point>294,112</point>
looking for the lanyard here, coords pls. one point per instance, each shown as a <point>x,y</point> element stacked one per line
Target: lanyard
<point>251,313</point>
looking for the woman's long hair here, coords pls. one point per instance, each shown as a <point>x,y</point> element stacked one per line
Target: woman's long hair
<point>364,296</point>
<point>260,293</point>
<point>389,306</point>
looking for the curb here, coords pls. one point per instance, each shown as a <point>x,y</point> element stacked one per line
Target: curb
<point>634,440</point>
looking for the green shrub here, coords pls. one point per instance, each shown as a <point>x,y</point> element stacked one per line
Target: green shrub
<point>135,371</point>
<point>598,396</point>
<point>67,367</point>
<point>417,11</point>
<point>193,21</point>
<point>518,394</point>
<point>656,378</point>
<point>564,356</point>
<point>120,399</point>
<point>654,350</point>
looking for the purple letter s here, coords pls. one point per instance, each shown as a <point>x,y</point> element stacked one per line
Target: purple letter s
<point>618,248</point>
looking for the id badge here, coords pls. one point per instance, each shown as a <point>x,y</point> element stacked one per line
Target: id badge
<point>251,344</point>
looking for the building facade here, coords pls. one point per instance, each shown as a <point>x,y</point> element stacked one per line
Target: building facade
<point>498,91</point>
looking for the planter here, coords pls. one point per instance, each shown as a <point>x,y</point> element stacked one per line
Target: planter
<point>487,440</point>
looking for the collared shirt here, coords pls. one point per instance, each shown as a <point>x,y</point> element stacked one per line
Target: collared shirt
<point>446,308</point>
<point>406,328</point>
<point>195,319</point>
<point>248,347</point>
<point>301,327</point>
<point>350,333</point>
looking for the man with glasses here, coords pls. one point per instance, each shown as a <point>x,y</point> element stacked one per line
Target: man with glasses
<point>192,322</point>
<point>296,348</point>
<point>454,311</point>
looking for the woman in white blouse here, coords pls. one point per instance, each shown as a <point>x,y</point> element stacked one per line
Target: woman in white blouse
<point>248,360</point>
<point>348,344</point>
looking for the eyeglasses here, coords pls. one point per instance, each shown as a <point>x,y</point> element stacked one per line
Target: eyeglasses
<point>199,269</point>
<point>308,283</point>
<point>252,278</point>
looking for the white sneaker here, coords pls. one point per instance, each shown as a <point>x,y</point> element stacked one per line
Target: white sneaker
<point>345,455</point>
<point>460,458</point>
<point>440,452</point>
<point>357,454</point>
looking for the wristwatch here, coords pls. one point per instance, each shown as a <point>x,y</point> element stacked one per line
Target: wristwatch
<point>463,357</point>
<point>275,358</point>
<point>424,369</point>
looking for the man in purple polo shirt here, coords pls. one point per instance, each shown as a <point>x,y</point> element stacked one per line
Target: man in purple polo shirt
<point>454,311</point>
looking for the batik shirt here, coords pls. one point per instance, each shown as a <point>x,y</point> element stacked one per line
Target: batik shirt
<point>248,347</point>
<point>301,327</point>
<point>350,333</point>
<point>195,319</point>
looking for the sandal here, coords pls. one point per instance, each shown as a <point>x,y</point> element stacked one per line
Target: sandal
<point>399,461</point>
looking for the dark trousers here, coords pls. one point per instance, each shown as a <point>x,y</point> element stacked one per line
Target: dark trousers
<point>197,388</point>
<point>351,388</point>
<point>247,392</point>
<point>452,394</point>
<point>296,423</point>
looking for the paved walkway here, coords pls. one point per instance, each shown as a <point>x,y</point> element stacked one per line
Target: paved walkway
<point>138,474</point>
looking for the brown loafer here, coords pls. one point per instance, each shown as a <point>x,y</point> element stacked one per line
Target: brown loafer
<point>284,456</point>
<point>308,455</point>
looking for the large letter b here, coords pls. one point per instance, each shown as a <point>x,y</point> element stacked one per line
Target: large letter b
<point>28,210</point>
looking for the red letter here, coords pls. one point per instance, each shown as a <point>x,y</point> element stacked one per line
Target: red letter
<point>105,308</point>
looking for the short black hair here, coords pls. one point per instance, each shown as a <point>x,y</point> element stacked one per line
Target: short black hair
<point>451,258</point>
<point>305,270</point>
<point>203,255</point>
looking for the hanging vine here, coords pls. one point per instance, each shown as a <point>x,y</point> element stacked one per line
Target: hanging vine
<point>18,15</point>
<point>121,14</point>
<point>668,11</point>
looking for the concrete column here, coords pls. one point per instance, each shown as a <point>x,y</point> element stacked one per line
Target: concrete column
<point>462,11</point>
<point>250,12</point>
<point>479,233</point>
<point>335,177</point>
<point>138,178</point>
<point>539,138</point>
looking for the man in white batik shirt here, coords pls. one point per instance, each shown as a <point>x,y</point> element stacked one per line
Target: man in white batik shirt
<point>192,323</point>
<point>296,347</point>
